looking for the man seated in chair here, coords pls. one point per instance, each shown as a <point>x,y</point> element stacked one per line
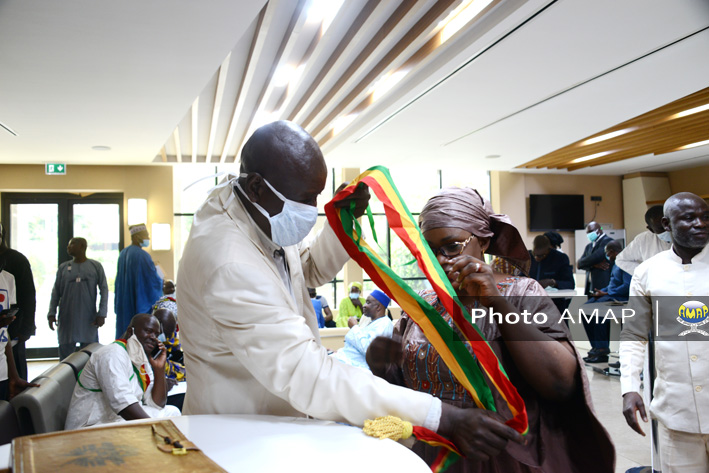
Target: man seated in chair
<point>118,382</point>
<point>358,338</point>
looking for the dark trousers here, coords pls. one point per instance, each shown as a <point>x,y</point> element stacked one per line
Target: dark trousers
<point>66,349</point>
<point>5,390</point>
<point>18,352</point>
<point>598,333</point>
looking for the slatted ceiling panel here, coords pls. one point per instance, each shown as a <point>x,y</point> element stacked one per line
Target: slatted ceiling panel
<point>655,132</point>
<point>391,61</point>
<point>366,40</point>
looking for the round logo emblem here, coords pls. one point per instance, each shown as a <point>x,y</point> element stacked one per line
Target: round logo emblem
<point>693,312</point>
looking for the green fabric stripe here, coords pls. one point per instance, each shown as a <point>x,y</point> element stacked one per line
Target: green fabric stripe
<point>78,380</point>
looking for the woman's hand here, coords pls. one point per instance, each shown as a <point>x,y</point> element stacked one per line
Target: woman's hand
<point>471,277</point>
<point>384,351</point>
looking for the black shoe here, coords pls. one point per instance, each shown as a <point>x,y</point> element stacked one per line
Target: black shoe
<point>611,371</point>
<point>596,359</point>
<point>614,365</point>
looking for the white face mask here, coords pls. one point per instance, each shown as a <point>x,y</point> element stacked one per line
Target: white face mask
<point>145,243</point>
<point>665,236</point>
<point>162,338</point>
<point>292,224</point>
<point>354,295</point>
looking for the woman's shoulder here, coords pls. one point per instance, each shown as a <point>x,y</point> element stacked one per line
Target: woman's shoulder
<point>520,285</point>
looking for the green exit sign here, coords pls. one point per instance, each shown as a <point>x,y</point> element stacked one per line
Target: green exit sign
<point>54,169</point>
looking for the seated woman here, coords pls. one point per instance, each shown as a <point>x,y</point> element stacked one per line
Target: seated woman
<point>540,359</point>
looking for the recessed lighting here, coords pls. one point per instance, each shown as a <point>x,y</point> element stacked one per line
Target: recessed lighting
<point>591,156</point>
<point>324,11</point>
<point>386,83</point>
<point>341,123</point>
<point>691,111</point>
<point>461,16</point>
<point>492,156</point>
<point>101,148</point>
<point>694,145</point>
<point>607,136</point>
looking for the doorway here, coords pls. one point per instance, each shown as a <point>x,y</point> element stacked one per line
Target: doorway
<point>40,226</point>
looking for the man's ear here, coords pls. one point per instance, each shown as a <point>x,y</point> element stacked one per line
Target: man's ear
<point>253,186</point>
<point>666,224</point>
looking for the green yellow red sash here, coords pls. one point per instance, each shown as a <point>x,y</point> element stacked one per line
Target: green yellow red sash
<point>452,348</point>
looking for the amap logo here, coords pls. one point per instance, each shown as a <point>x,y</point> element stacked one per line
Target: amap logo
<point>693,314</point>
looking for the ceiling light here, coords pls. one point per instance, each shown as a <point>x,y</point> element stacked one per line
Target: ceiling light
<point>323,11</point>
<point>461,16</point>
<point>607,136</point>
<point>694,145</point>
<point>591,156</point>
<point>343,122</point>
<point>386,83</point>
<point>283,75</point>
<point>101,148</point>
<point>691,111</point>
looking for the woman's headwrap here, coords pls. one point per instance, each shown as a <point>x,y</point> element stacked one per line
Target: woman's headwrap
<point>465,208</point>
<point>358,285</point>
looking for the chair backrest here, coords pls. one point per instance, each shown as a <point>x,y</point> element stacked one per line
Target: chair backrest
<point>44,409</point>
<point>93,348</point>
<point>77,361</point>
<point>8,421</point>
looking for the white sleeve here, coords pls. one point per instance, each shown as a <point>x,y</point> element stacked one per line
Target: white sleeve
<point>113,373</point>
<point>632,358</point>
<point>323,258</point>
<point>631,257</point>
<point>279,350</point>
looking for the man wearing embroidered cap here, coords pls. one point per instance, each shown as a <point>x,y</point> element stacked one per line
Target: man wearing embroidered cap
<point>138,284</point>
<point>358,338</point>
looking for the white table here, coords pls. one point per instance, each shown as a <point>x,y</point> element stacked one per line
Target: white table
<point>565,293</point>
<point>240,443</point>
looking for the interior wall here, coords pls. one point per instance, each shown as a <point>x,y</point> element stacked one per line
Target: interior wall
<point>153,183</point>
<point>694,180</point>
<point>510,195</point>
<point>640,192</point>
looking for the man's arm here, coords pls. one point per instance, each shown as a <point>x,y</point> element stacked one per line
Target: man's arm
<point>54,300</point>
<point>24,327</point>
<point>590,258</point>
<point>631,256</point>
<point>103,291</point>
<point>564,277</point>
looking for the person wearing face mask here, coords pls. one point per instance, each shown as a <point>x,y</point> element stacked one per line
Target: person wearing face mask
<point>243,281</point>
<point>350,306</point>
<point>122,381</point>
<point>138,284</point>
<point>647,244</point>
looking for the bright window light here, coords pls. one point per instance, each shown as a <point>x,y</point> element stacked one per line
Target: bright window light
<point>591,156</point>
<point>691,111</point>
<point>607,136</point>
<point>137,211</point>
<point>461,16</point>
<point>160,237</point>
<point>694,145</point>
<point>386,83</point>
<point>284,74</point>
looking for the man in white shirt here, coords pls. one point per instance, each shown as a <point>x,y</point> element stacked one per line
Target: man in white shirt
<point>680,403</point>
<point>358,338</point>
<point>249,331</point>
<point>646,245</point>
<point>122,381</point>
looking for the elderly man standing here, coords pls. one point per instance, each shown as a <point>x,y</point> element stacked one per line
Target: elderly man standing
<point>680,404</point>
<point>74,292</point>
<point>138,284</point>
<point>249,331</point>
<point>122,381</point>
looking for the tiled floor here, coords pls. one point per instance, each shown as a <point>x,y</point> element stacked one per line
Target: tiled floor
<point>631,449</point>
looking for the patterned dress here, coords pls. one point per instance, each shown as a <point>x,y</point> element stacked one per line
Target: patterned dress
<point>563,437</point>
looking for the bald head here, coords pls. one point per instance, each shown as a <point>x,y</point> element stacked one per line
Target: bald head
<point>280,152</point>
<point>592,227</point>
<point>167,321</point>
<point>687,218</point>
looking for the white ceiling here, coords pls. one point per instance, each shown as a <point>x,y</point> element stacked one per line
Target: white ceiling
<point>525,79</point>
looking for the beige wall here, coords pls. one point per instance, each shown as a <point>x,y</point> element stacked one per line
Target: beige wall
<point>510,195</point>
<point>640,191</point>
<point>153,183</point>
<point>694,180</point>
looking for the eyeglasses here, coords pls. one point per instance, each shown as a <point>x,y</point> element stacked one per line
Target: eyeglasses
<point>452,249</point>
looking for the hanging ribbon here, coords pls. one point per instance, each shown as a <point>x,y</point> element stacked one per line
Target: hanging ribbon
<point>453,350</point>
